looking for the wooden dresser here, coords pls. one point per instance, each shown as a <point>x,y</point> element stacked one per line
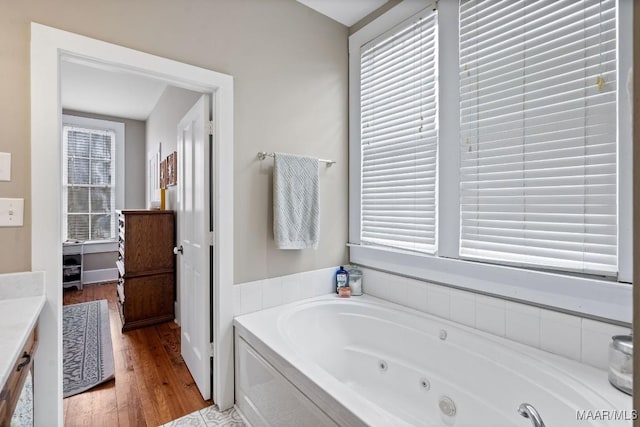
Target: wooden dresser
<point>146,267</point>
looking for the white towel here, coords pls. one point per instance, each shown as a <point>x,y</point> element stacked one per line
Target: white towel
<point>296,201</point>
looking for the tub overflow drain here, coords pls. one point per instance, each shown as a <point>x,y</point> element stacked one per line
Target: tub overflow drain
<point>443,334</point>
<point>382,365</point>
<point>447,406</point>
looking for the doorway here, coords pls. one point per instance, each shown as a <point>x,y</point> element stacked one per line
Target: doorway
<point>48,47</point>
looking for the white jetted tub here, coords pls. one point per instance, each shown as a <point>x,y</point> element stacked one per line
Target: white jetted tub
<point>365,361</point>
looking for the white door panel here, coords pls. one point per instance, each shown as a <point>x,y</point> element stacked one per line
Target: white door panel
<point>193,235</point>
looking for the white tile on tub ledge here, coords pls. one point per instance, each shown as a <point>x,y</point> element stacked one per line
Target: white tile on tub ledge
<point>291,288</point>
<point>305,285</point>
<point>272,295</point>
<point>463,307</point>
<point>396,290</point>
<point>320,282</point>
<point>385,286</point>
<point>490,314</point>
<point>523,323</point>
<point>438,300</point>
<point>251,296</point>
<point>596,337</point>
<point>374,282</point>
<point>416,294</point>
<point>560,333</point>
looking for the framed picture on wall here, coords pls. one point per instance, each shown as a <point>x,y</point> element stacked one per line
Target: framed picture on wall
<point>163,174</point>
<point>172,171</point>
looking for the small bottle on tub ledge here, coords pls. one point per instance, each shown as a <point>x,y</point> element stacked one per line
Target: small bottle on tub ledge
<point>342,279</point>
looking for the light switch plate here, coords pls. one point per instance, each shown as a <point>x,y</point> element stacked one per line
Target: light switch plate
<point>5,166</point>
<point>11,212</point>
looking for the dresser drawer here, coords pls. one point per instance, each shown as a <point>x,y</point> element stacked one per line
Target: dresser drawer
<point>11,392</point>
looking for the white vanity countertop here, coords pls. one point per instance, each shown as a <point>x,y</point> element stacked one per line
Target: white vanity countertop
<point>20,306</point>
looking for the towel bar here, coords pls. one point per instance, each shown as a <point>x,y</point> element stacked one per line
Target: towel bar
<point>263,155</point>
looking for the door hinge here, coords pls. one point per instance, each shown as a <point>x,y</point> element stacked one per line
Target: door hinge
<point>211,238</point>
<point>212,349</point>
<point>210,127</point>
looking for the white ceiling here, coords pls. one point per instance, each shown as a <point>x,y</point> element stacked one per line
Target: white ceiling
<point>346,12</point>
<point>109,92</point>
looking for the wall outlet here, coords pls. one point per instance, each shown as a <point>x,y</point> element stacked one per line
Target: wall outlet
<point>11,212</point>
<point>5,166</point>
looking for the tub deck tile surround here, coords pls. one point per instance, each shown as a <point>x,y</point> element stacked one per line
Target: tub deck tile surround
<point>262,294</point>
<point>522,323</point>
<point>574,337</point>
<point>577,338</point>
<point>593,335</point>
<point>463,307</point>
<point>560,334</point>
<point>21,301</point>
<point>490,315</point>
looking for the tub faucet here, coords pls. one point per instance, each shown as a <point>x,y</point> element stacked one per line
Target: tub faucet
<point>528,411</point>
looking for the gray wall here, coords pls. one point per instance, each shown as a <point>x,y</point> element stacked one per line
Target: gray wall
<point>162,127</point>
<point>99,261</point>
<point>289,65</point>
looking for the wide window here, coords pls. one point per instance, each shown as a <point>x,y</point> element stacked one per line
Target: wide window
<point>399,136</point>
<point>504,165</point>
<point>538,132</point>
<point>88,183</point>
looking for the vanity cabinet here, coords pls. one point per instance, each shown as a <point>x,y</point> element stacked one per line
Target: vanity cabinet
<point>146,267</point>
<point>12,389</point>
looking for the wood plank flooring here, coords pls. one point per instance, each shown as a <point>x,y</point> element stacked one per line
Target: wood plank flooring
<point>153,385</point>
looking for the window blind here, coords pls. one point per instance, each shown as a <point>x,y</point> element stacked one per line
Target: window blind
<point>538,134</point>
<point>89,184</point>
<point>399,135</point>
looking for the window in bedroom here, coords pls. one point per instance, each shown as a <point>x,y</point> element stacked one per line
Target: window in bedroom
<point>88,183</point>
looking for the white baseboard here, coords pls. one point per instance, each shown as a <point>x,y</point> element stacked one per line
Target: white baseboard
<point>96,276</point>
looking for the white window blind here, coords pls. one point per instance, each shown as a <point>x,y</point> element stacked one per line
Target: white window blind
<point>538,134</point>
<point>88,184</point>
<point>399,136</point>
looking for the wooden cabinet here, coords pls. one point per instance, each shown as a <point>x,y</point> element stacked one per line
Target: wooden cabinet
<point>10,393</point>
<point>146,267</point>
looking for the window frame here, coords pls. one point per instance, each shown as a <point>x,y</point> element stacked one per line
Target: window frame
<point>119,130</point>
<point>588,295</point>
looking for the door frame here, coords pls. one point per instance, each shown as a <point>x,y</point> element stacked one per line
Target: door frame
<point>48,47</point>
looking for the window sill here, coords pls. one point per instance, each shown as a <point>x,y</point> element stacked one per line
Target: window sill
<point>98,246</point>
<point>588,296</point>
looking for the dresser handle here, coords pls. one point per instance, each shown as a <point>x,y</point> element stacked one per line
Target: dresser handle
<point>27,358</point>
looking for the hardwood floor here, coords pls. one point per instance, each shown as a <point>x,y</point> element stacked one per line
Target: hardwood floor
<point>152,385</point>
